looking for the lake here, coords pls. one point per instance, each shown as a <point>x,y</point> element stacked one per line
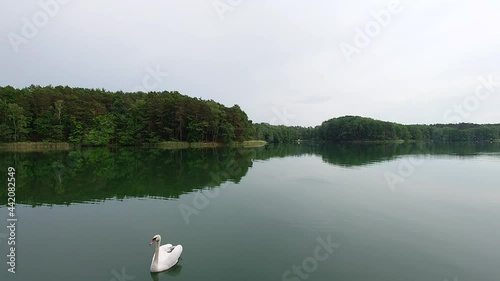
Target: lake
<point>290,212</point>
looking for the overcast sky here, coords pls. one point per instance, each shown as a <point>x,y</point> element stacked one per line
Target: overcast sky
<point>283,61</point>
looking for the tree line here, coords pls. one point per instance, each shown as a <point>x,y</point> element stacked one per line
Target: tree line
<point>355,128</point>
<point>98,117</point>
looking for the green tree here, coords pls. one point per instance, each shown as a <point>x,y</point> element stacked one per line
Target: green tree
<point>19,122</point>
<point>102,132</point>
<point>77,132</point>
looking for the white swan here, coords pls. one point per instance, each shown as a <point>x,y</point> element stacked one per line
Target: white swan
<point>165,256</point>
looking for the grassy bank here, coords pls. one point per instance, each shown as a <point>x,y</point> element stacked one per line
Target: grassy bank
<point>496,141</point>
<point>181,145</point>
<point>379,141</point>
<point>251,143</point>
<point>168,145</point>
<point>27,146</point>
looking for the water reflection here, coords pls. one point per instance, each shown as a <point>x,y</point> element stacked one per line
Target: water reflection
<point>94,175</point>
<point>174,271</point>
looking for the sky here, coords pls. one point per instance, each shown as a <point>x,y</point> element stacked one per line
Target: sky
<point>283,62</point>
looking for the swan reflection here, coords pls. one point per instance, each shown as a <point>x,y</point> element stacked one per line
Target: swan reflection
<point>174,271</point>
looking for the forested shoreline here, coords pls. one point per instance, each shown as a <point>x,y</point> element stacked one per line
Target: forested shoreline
<point>354,128</point>
<point>97,117</point>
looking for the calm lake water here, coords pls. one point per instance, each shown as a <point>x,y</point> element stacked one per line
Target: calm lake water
<point>301,212</point>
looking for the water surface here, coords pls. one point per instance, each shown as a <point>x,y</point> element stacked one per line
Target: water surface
<point>256,214</point>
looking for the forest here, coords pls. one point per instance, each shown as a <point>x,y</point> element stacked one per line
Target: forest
<point>97,117</point>
<point>354,128</point>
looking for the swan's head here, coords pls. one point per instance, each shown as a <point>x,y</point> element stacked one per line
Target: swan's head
<point>156,238</point>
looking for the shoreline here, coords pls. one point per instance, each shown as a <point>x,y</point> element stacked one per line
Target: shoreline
<point>183,145</point>
<point>380,141</point>
<point>37,146</point>
<point>33,146</point>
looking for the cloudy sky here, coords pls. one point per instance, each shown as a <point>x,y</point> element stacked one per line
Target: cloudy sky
<point>284,62</point>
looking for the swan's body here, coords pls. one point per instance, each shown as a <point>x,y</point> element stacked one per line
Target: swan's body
<point>165,256</point>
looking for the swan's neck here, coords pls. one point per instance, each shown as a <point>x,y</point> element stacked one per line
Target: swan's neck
<point>157,252</point>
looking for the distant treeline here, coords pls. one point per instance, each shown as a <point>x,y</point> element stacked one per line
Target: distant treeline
<point>99,117</point>
<point>354,128</point>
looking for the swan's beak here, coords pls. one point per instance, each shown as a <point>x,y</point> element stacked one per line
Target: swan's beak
<point>151,243</point>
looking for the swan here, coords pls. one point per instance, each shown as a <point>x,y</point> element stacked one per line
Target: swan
<point>165,256</point>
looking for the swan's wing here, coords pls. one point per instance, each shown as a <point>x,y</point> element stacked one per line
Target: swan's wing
<point>167,248</point>
<point>177,251</point>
